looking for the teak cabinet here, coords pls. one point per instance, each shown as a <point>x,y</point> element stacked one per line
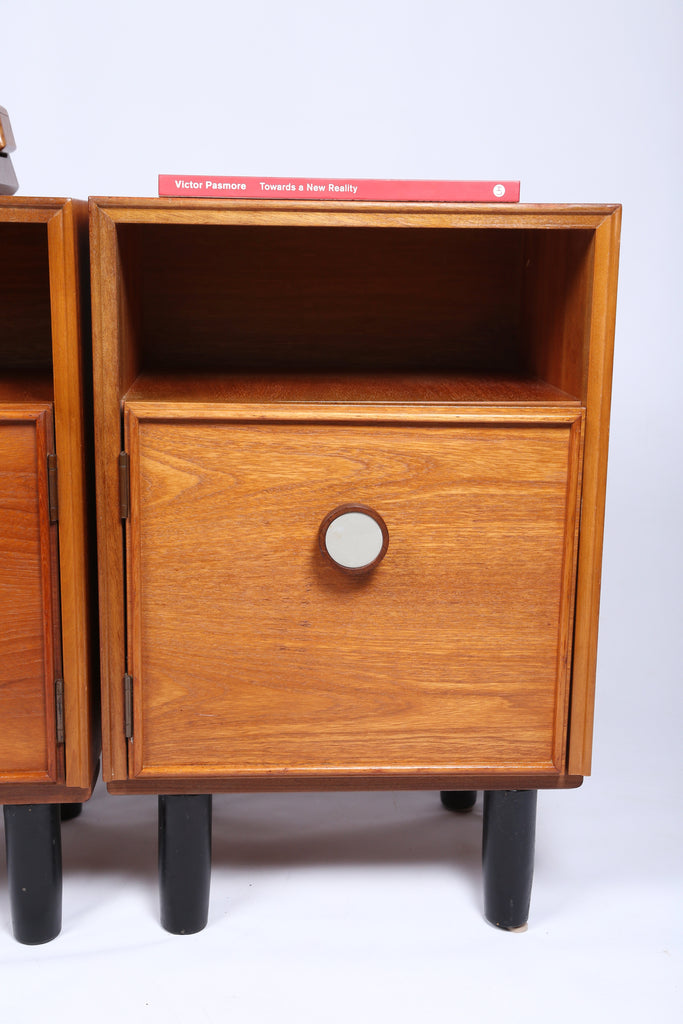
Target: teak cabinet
<point>49,740</point>
<point>263,368</point>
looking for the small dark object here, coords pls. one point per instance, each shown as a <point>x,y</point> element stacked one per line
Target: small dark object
<point>34,871</point>
<point>184,862</point>
<point>8,179</point>
<point>508,855</point>
<point>456,800</point>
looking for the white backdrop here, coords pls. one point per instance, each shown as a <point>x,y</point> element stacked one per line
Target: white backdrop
<point>367,907</point>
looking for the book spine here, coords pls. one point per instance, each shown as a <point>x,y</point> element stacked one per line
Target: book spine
<point>368,190</point>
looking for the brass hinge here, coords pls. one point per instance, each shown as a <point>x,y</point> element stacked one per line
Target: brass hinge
<point>52,491</point>
<point>124,485</point>
<point>59,709</point>
<point>128,706</point>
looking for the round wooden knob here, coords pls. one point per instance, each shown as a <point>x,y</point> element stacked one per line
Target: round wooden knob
<point>354,538</point>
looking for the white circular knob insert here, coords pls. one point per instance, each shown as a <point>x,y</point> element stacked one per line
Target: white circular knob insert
<point>354,537</point>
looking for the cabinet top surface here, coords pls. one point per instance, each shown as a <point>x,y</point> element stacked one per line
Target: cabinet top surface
<point>174,210</point>
<point>34,208</point>
<point>32,202</point>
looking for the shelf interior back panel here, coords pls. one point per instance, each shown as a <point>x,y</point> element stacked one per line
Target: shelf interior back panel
<point>25,326</point>
<point>239,298</point>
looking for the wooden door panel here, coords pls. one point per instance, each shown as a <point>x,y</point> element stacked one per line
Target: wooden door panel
<point>28,601</point>
<point>251,654</point>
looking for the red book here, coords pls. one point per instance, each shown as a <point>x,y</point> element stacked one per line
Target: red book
<point>220,187</point>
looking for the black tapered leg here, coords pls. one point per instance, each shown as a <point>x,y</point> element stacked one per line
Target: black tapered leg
<point>184,862</point>
<point>70,811</point>
<point>454,800</point>
<point>508,855</point>
<point>34,871</point>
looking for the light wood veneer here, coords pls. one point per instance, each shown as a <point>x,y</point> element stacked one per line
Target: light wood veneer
<point>262,363</point>
<point>46,605</point>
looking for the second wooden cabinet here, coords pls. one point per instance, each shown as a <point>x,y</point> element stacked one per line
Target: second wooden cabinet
<point>49,733</point>
<point>260,366</point>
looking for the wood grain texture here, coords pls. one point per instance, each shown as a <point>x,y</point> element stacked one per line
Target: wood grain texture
<point>252,656</point>
<point>43,358</point>
<point>360,781</point>
<point>545,216</point>
<point>346,389</point>
<point>598,401</point>
<point>29,209</point>
<point>27,793</point>
<point>26,388</point>
<point>558,281</point>
<point>67,235</point>
<point>43,794</point>
<point>355,412</point>
<point>108,336</point>
<point>28,592</point>
<point>548,273</point>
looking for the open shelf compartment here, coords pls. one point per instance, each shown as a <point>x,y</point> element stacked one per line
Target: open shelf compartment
<point>26,334</point>
<point>369,313</point>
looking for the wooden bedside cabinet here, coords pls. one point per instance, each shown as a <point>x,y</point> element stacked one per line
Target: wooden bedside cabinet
<point>49,744</point>
<point>351,469</point>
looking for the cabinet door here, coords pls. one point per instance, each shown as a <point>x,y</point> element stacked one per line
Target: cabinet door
<point>252,654</point>
<point>29,612</point>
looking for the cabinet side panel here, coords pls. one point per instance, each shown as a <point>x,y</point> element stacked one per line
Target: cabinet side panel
<point>599,393</point>
<point>108,382</point>
<point>557,295</point>
<point>73,444</point>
